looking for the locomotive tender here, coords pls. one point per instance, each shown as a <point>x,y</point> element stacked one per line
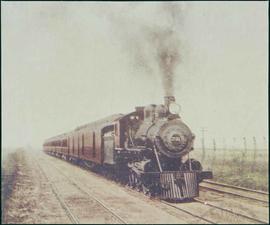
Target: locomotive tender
<point>148,149</point>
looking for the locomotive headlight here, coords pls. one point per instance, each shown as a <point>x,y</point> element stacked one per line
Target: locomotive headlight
<point>174,108</point>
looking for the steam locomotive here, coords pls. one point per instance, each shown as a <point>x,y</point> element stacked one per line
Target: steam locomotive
<point>147,149</point>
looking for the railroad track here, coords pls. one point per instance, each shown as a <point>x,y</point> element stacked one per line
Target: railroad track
<point>181,207</point>
<point>176,206</point>
<point>206,204</point>
<point>121,220</point>
<point>231,212</point>
<point>250,194</point>
<point>236,187</point>
<point>136,191</point>
<point>67,210</point>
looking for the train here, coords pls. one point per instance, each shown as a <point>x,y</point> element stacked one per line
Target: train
<point>147,149</point>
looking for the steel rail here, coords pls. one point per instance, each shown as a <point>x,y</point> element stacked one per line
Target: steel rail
<point>70,215</point>
<point>132,190</point>
<point>235,187</point>
<point>173,206</point>
<point>186,211</point>
<point>91,196</point>
<point>205,203</point>
<point>232,193</point>
<point>230,211</point>
<point>213,206</point>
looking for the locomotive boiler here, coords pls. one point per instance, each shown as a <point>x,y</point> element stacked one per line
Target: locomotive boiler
<point>147,149</point>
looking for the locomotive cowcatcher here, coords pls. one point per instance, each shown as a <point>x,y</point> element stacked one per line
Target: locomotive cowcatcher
<point>147,149</point>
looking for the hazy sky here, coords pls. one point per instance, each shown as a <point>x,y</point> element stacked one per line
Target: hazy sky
<point>68,63</point>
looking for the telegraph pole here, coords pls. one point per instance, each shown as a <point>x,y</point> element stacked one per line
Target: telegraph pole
<point>224,152</point>
<point>265,143</point>
<point>254,154</point>
<point>203,143</point>
<point>214,152</point>
<point>244,153</point>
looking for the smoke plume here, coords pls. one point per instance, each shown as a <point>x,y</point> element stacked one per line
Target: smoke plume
<point>152,43</point>
<point>168,58</point>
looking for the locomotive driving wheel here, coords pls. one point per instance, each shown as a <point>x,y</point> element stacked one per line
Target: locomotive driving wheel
<point>133,180</point>
<point>135,183</point>
<point>146,191</point>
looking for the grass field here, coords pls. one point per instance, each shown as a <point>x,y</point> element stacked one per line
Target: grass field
<point>236,166</point>
<point>9,171</point>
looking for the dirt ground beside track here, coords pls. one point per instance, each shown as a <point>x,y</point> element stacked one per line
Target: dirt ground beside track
<point>33,201</point>
<point>33,198</point>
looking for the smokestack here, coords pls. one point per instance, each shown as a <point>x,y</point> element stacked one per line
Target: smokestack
<point>168,100</point>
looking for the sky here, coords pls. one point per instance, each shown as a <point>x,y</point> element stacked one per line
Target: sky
<point>65,64</point>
